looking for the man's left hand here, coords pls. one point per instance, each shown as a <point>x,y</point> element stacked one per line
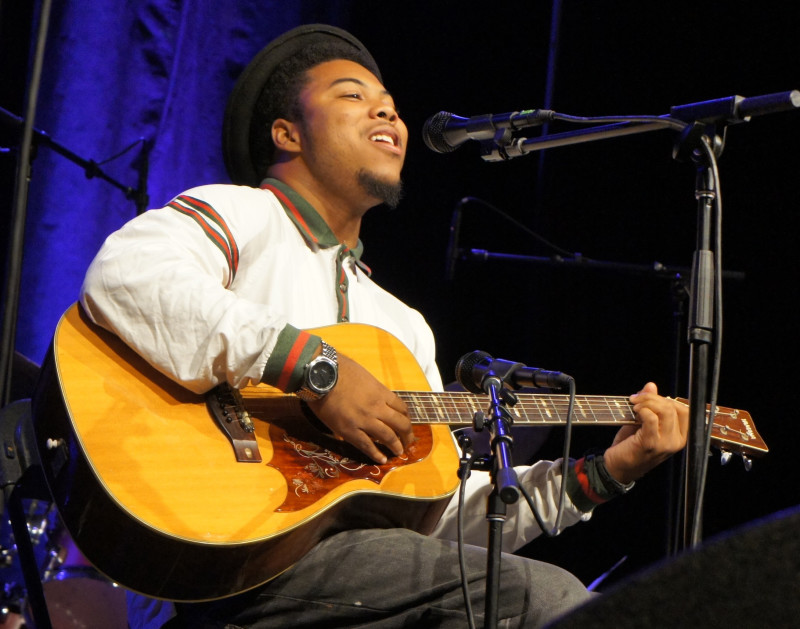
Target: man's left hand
<point>661,432</point>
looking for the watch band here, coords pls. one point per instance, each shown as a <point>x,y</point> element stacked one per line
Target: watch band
<point>308,391</point>
<point>329,352</point>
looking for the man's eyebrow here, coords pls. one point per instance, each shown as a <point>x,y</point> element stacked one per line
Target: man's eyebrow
<point>347,79</point>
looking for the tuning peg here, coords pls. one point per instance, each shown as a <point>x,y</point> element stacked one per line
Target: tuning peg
<point>725,457</point>
<point>748,463</point>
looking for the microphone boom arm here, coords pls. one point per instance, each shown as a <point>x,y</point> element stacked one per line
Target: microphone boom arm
<point>492,151</point>
<point>712,113</point>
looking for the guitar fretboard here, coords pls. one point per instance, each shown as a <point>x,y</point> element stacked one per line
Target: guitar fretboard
<point>427,407</point>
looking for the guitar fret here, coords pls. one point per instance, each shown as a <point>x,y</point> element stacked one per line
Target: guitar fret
<point>609,407</point>
<point>620,410</point>
<point>447,409</point>
<point>459,410</point>
<point>470,406</point>
<point>433,408</point>
<point>545,411</point>
<point>597,412</point>
<point>473,405</point>
<point>417,405</point>
<point>440,411</point>
<point>531,413</point>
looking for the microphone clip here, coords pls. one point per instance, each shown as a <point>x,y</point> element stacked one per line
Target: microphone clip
<point>500,373</point>
<point>494,150</point>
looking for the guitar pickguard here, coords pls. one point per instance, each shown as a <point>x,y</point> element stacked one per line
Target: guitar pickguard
<point>313,464</point>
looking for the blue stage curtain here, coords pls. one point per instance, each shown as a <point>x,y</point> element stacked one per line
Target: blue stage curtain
<point>114,73</point>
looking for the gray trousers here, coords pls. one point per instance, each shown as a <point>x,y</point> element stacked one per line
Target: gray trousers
<point>388,579</point>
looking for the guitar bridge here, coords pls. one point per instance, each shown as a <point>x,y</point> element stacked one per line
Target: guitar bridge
<point>227,408</point>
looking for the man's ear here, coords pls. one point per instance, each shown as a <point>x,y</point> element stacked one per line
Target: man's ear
<point>286,136</point>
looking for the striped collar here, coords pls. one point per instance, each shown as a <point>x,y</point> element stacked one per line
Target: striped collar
<point>308,221</point>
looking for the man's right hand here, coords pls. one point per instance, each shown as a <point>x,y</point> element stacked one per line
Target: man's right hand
<point>363,412</point>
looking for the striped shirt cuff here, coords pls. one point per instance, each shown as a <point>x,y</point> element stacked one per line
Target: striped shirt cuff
<point>589,484</point>
<point>293,351</point>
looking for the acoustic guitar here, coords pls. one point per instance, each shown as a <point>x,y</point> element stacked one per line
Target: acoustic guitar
<point>189,497</point>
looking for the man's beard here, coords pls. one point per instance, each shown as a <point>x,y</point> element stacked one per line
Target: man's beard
<point>387,192</point>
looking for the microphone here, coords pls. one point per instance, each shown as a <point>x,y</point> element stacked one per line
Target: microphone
<point>453,251</point>
<point>445,132</point>
<point>475,368</point>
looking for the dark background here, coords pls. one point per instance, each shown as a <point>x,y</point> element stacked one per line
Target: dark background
<point>620,200</point>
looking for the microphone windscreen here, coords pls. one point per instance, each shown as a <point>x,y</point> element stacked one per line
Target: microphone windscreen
<point>433,133</point>
<point>465,370</point>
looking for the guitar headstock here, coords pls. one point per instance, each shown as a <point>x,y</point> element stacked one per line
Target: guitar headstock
<point>734,432</point>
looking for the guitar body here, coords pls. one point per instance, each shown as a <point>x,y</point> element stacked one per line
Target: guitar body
<point>150,489</point>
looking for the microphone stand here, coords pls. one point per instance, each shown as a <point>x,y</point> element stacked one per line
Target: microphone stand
<point>505,485</point>
<point>701,140</point>
<point>704,332</point>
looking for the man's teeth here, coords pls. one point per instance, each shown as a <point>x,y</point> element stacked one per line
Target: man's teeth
<point>382,138</point>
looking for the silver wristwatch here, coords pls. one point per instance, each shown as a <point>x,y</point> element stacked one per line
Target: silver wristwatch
<point>320,375</point>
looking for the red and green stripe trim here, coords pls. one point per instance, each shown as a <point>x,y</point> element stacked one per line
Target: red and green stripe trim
<point>293,211</point>
<point>311,225</point>
<point>214,227</point>
<point>342,284</point>
<point>305,217</point>
<point>583,483</point>
<point>293,351</point>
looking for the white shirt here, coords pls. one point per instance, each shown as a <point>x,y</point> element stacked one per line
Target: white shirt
<point>205,289</point>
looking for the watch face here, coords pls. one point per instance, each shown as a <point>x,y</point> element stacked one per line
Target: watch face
<point>322,375</point>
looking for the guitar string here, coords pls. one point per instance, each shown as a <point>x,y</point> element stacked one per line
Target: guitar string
<point>433,407</point>
<point>438,407</point>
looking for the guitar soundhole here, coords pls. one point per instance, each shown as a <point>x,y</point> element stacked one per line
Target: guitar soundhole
<point>314,465</point>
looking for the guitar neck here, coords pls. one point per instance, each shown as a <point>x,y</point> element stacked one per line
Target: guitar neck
<point>532,409</point>
<point>732,429</point>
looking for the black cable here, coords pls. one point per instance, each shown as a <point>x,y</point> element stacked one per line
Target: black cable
<point>121,153</point>
<point>519,225</point>
<point>565,462</point>
<point>717,337</point>
<point>666,121</point>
